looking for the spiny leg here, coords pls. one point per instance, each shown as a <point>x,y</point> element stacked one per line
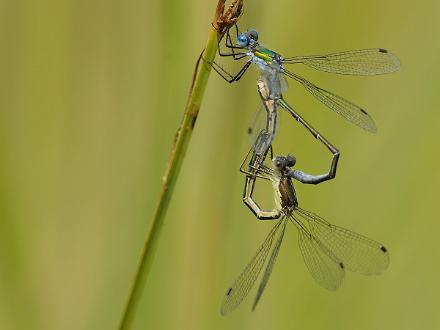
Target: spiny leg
<point>229,44</point>
<point>226,75</point>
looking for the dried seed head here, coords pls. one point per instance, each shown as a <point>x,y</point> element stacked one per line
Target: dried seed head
<point>224,20</point>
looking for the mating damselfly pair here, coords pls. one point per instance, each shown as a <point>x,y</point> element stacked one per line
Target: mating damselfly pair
<point>327,249</point>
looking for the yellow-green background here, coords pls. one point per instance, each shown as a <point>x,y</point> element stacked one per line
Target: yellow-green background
<point>91,93</point>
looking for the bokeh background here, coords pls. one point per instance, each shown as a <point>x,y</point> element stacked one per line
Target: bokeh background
<point>91,94</point>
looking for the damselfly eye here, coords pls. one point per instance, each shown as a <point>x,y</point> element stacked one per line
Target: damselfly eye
<point>291,161</point>
<point>242,40</point>
<point>253,34</point>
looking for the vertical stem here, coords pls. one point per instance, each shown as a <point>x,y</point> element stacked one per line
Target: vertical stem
<point>175,161</point>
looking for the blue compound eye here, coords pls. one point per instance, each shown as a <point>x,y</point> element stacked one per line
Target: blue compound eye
<point>242,40</point>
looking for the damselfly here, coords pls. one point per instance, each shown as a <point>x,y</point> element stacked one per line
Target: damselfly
<point>327,249</point>
<point>272,69</point>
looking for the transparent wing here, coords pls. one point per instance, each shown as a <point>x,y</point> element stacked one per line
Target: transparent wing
<point>345,108</point>
<point>362,62</point>
<point>270,264</point>
<point>259,138</point>
<point>324,266</point>
<point>265,119</point>
<point>357,252</point>
<point>243,284</point>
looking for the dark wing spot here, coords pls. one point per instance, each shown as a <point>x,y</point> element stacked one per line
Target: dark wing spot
<point>341,265</point>
<point>363,111</point>
<point>383,249</point>
<point>381,50</point>
<point>249,130</point>
<point>229,292</point>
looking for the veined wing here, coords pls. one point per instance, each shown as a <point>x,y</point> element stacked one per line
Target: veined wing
<point>266,119</point>
<point>357,252</point>
<point>243,284</point>
<point>262,130</point>
<point>363,62</point>
<point>324,266</point>
<point>270,264</point>
<point>345,108</point>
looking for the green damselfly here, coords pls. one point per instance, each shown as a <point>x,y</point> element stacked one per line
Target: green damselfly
<point>272,68</point>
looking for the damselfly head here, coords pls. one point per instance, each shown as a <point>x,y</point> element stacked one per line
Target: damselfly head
<point>281,163</point>
<point>249,38</point>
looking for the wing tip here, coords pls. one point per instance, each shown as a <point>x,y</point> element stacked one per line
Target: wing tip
<point>393,60</point>
<point>225,307</point>
<point>368,123</point>
<point>223,312</point>
<point>372,129</point>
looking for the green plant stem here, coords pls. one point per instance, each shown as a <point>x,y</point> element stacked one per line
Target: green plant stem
<point>175,161</point>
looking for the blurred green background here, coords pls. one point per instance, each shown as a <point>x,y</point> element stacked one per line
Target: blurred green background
<point>91,94</point>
